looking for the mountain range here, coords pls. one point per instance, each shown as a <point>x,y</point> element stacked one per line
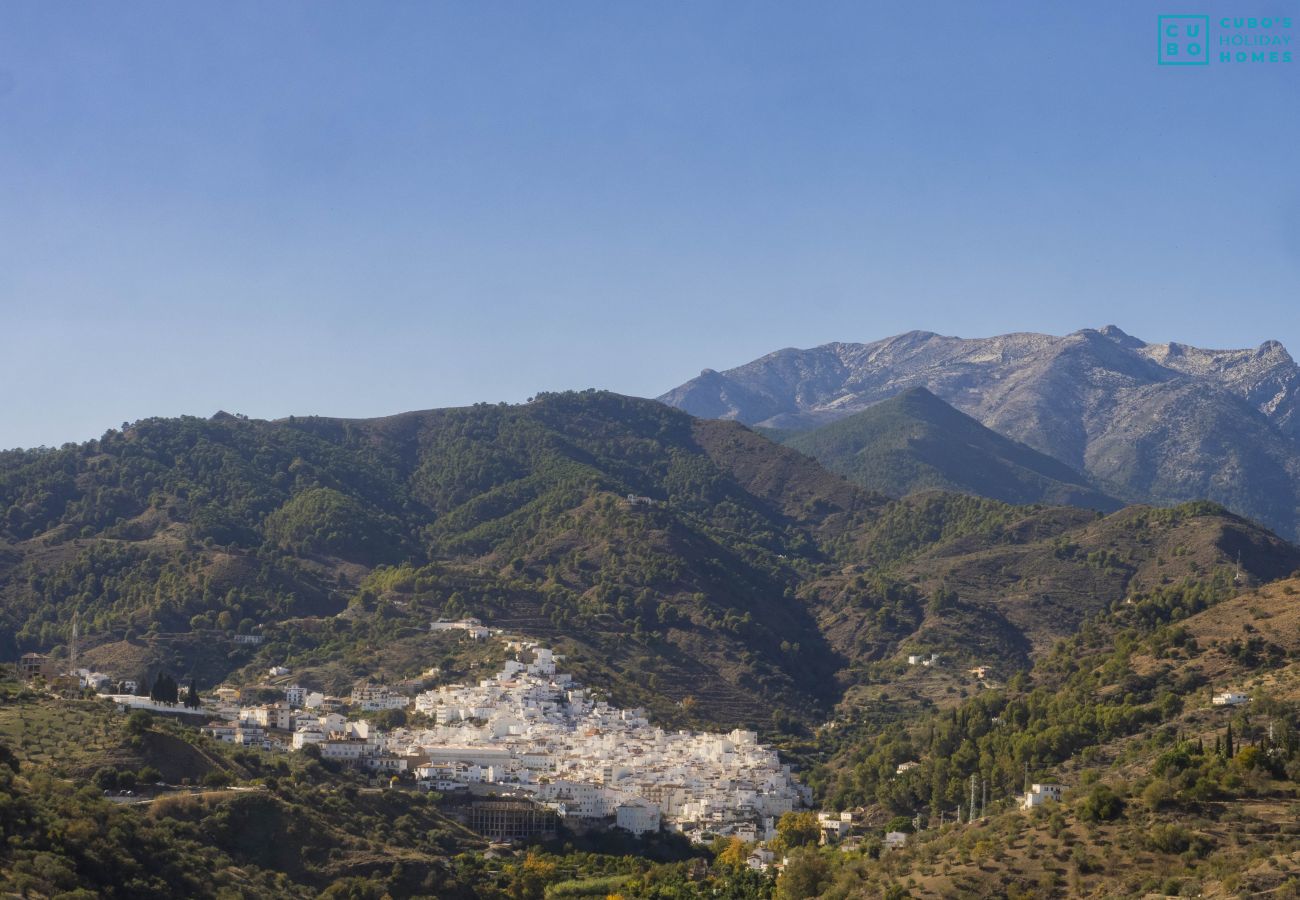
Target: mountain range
<point>691,566</point>
<point>1150,423</point>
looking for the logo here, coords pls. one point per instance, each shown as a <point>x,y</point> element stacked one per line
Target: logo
<point>1184,41</point>
<point>1189,41</point>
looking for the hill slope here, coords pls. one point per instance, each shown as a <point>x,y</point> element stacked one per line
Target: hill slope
<point>1166,793</point>
<point>518,514</point>
<point>1159,423</point>
<point>915,441</point>
<point>742,578</point>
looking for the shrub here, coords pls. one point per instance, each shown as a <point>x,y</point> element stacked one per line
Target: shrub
<point>1101,804</point>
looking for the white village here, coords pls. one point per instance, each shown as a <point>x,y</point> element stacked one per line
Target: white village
<point>530,747</point>
<point>531,737</point>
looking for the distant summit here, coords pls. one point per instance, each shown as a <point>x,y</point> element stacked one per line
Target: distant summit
<point>1146,422</point>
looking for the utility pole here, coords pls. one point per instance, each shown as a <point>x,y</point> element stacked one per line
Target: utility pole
<point>973,779</point>
<point>984,802</point>
<point>72,656</point>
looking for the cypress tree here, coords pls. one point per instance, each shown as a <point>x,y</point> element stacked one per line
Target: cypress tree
<point>1227,743</point>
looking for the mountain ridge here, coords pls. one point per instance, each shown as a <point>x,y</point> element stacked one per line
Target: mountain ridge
<point>1160,423</point>
<point>915,441</point>
<point>741,576</point>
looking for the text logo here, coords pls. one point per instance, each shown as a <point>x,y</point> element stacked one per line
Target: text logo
<point>1184,40</point>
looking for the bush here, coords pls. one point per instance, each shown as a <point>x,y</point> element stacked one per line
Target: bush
<point>1101,804</point>
<point>1176,839</point>
<point>217,778</point>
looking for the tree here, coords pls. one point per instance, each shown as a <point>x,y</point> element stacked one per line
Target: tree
<point>1101,805</point>
<point>733,853</point>
<point>138,722</point>
<point>531,877</point>
<point>804,876</point>
<point>165,690</point>
<point>797,829</point>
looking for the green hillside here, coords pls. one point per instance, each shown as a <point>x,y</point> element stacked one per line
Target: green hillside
<point>692,567</point>
<point>516,513</point>
<point>741,583</point>
<point>1166,793</point>
<point>915,441</point>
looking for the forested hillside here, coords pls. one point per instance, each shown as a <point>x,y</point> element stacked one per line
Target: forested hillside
<point>692,566</point>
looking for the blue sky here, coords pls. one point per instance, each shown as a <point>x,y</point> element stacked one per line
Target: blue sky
<point>349,209</point>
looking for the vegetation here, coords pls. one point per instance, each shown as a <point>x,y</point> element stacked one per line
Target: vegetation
<point>916,442</point>
<point>742,583</point>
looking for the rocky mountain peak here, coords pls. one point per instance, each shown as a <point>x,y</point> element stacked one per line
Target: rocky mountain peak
<point>1150,422</point>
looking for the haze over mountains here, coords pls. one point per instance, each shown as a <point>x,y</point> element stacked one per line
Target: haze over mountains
<point>1158,423</point>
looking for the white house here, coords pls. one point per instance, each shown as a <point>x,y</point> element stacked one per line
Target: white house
<point>349,749</point>
<point>250,735</point>
<point>1230,698</point>
<point>295,695</point>
<point>834,826</point>
<point>277,671</point>
<point>907,766</point>
<point>373,697</point>
<point>637,816</point>
<point>222,731</point>
<point>273,715</point>
<point>1039,794</point>
<point>387,763</point>
<point>333,722</point>
<point>308,734</point>
<point>895,840</point>
<point>473,627</point>
<point>94,680</point>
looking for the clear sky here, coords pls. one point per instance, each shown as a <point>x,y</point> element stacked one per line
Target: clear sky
<point>358,209</point>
